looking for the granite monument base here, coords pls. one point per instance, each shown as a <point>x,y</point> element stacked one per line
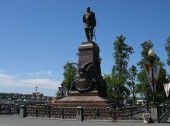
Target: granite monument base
<point>90,99</point>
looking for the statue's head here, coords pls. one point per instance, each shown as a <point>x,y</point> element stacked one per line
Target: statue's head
<point>88,9</point>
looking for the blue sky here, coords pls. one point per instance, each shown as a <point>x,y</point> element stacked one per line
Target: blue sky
<point>37,37</point>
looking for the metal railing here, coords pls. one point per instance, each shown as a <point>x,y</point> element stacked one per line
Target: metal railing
<point>9,109</point>
<point>164,112</point>
<point>50,112</point>
<point>87,113</point>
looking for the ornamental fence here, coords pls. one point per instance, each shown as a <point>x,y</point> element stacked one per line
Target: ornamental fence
<point>9,109</point>
<point>80,113</point>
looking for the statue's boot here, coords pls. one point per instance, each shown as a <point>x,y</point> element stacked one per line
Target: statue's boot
<point>88,39</point>
<point>91,38</point>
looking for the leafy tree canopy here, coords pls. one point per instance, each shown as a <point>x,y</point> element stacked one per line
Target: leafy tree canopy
<point>116,88</point>
<point>69,74</point>
<point>167,48</point>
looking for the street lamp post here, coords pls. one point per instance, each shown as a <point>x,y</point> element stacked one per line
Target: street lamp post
<point>168,81</point>
<point>62,92</point>
<point>151,54</point>
<point>153,108</point>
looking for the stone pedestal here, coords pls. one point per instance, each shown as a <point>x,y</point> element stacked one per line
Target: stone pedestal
<point>88,88</point>
<point>22,113</point>
<point>83,101</point>
<point>154,113</point>
<point>88,77</point>
<point>79,115</point>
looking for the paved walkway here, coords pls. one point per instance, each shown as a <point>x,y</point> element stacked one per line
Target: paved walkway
<point>11,121</point>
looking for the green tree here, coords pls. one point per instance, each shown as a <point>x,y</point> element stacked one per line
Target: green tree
<point>115,89</point>
<point>132,81</point>
<point>167,48</point>
<point>116,81</point>
<point>146,46</point>
<point>121,55</point>
<point>58,95</point>
<point>69,74</point>
<point>143,86</point>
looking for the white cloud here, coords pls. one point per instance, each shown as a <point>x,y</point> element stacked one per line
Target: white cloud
<point>40,73</point>
<point>13,81</point>
<point>6,76</point>
<point>7,80</point>
<point>42,83</point>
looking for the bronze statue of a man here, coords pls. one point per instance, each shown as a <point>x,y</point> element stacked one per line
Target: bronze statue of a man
<point>89,24</point>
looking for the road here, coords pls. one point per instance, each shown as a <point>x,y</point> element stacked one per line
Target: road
<point>11,121</point>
